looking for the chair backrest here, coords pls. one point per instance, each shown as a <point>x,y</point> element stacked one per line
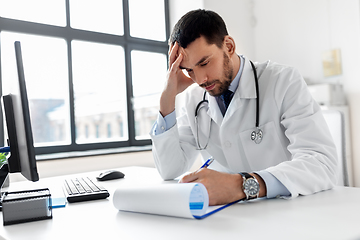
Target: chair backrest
<point>335,121</point>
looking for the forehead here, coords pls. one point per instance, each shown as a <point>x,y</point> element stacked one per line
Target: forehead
<point>196,51</point>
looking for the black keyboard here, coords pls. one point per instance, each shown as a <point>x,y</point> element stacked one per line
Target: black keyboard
<point>83,189</point>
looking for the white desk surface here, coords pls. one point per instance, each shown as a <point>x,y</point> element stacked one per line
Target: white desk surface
<point>333,214</point>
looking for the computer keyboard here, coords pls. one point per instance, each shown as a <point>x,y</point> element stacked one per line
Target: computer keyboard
<point>83,189</point>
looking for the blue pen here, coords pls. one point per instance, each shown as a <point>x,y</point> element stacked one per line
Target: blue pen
<point>207,163</point>
<point>4,149</point>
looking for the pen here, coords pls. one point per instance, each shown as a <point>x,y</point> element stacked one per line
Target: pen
<point>207,163</point>
<point>4,149</point>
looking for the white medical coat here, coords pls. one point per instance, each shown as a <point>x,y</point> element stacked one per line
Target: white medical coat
<point>296,148</point>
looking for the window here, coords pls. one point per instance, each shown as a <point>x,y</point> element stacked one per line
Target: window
<point>99,87</point>
<point>46,73</point>
<point>94,69</point>
<point>38,11</point>
<point>104,16</point>
<point>153,12</point>
<point>146,90</point>
<point>86,131</point>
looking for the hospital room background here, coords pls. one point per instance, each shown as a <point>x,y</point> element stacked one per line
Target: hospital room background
<point>320,38</point>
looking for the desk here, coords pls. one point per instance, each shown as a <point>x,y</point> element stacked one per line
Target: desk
<point>333,214</point>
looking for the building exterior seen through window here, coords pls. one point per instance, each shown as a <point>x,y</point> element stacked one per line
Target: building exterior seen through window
<point>94,70</point>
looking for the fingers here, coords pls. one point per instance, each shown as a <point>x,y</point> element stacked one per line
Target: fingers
<point>177,62</point>
<point>191,177</point>
<point>171,48</point>
<point>222,187</point>
<point>175,58</point>
<point>194,176</point>
<point>173,53</point>
<point>177,81</point>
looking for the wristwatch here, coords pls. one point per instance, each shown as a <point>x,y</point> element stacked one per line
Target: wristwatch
<point>251,186</point>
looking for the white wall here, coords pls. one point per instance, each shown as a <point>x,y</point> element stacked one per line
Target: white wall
<point>177,8</point>
<point>240,21</point>
<point>296,33</point>
<point>239,29</point>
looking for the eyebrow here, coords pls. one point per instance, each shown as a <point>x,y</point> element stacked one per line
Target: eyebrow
<point>198,63</point>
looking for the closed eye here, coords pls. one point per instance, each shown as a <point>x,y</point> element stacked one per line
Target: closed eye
<point>204,64</point>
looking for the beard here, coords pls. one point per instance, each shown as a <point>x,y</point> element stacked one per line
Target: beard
<point>224,83</point>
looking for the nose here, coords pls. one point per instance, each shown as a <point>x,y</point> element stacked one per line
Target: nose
<point>200,76</point>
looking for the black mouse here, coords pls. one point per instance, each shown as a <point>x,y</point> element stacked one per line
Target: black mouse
<point>110,175</point>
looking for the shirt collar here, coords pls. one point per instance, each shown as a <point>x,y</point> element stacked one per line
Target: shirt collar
<point>235,82</point>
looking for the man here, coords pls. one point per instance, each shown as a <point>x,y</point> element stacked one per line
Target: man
<point>272,132</point>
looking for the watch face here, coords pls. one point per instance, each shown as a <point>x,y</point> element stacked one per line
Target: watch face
<point>251,187</point>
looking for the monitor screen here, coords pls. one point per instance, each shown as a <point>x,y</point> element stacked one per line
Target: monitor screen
<point>17,114</point>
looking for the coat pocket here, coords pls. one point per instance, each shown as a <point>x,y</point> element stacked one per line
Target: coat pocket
<point>269,152</point>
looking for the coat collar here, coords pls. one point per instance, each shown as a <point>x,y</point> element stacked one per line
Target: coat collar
<point>245,90</point>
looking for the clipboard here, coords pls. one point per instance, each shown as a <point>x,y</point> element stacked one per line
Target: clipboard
<point>186,200</point>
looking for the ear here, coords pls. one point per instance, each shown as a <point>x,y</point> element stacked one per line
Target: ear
<point>229,45</point>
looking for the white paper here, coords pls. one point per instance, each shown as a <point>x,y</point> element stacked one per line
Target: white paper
<point>163,199</point>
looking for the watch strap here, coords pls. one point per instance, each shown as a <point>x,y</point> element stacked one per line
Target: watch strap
<point>246,175</point>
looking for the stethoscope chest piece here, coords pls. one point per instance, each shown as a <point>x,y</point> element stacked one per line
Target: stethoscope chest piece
<point>257,136</point>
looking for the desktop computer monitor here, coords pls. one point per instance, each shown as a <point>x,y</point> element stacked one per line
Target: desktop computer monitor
<point>20,138</point>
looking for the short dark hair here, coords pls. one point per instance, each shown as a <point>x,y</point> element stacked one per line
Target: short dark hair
<point>198,23</point>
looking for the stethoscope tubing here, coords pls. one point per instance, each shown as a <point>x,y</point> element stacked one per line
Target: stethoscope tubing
<point>256,136</point>
<point>257,97</point>
<point>199,104</point>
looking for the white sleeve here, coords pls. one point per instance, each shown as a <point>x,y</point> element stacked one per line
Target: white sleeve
<point>313,165</point>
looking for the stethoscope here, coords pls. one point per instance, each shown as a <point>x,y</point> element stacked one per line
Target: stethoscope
<point>256,135</point>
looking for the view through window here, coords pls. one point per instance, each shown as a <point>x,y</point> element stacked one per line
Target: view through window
<point>94,69</point>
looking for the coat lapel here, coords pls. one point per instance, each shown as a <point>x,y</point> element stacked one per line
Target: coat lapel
<point>245,90</point>
<point>214,111</point>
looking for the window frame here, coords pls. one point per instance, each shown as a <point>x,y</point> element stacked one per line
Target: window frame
<point>69,34</point>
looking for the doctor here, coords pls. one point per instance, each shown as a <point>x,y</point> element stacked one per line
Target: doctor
<point>269,139</point>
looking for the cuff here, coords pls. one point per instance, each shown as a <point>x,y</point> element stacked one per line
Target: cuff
<point>163,124</point>
<point>274,188</point>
